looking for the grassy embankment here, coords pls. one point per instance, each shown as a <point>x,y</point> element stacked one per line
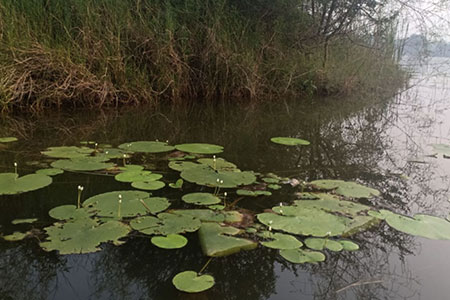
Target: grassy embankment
<point>115,52</point>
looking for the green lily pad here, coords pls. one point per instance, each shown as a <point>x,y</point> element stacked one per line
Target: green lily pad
<point>205,175</point>
<point>200,148</point>
<point>82,164</point>
<point>274,186</point>
<point>165,224</point>
<point>50,171</point>
<point>208,215</point>
<point>283,241</point>
<point>11,183</point>
<point>148,185</point>
<point>216,207</point>
<point>8,139</point>
<point>349,245</point>
<point>68,212</point>
<point>181,165</point>
<point>82,236</point>
<point>249,193</point>
<point>191,282</point>
<point>107,204</point>
<point>23,221</point>
<point>290,141</point>
<point>218,164</point>
<point>131,176</point>
<point>320,244</point>
<point>131,168</point>
<point>346,188</point>
<point>217,241</point>
<point>421,225</point>
<point>147,147</point>
<point>68,152</point>
<point>112,153</point>
<point>300,256</point>
<point>201,198</point>
<point>177,185</point>
<point>441,149</point>
<point>16,236</point>
<point>172,241</point>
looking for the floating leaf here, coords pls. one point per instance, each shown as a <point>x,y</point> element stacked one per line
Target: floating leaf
<point>68,212</point>
<point>177,185</point>
<point>16,236</point>
<point>289,141</point>
<point>8,139</point>
<point>165,224</point>
<point>283,241</point>
<point>200,148</point>
<point>191,282</point>
<point>274,186</point>
<point>320,244</point>
<point>181,165</point>
<point>204,175</point>
<point>82,164</point>
<point>11,183</point>
<point>218,164</point>
<point>68,152</point>
<point>147,147</point>
<point>207,215</point>
<point>23,221</point>
<point>421,225</point>
<point>216,240</point>
<point>346,188</point>
<point>131,176</point>
<point>82,236</point>
<point>300,256</point>
<point>107,204</point>
<point>349,245</point>
<point>111,153</point>
<point>50,171</point>
<point>171,241</point>
<point>242,192</point>
<point>201,198</point>
<point>148,185</point>
<point>131,168</point>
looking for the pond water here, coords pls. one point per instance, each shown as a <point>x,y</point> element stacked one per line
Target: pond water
<point>382,143</point>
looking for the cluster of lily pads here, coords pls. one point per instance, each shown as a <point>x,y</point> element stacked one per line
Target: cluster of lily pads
<point>322,218</point>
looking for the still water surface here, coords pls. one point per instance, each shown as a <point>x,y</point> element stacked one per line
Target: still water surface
<point>383,144</point>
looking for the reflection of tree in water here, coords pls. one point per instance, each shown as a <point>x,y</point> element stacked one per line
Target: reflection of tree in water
<point>25,273</point>
<point>140,270</point>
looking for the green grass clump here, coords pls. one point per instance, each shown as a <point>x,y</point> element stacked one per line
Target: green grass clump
<point>116,52</point>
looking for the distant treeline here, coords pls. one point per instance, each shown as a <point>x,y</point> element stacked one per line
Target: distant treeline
<point>116,52</point>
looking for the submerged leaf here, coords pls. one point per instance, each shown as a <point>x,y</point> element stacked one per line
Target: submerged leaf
<point>191,282</point>
<point>16,236</point>
<point>216,240</point>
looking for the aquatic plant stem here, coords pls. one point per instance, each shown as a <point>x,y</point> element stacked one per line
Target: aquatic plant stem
<point>145,205</point>
<point>15,167</point>
<point>80,190</point>
<point>206,265</point>
<point>120,206</point>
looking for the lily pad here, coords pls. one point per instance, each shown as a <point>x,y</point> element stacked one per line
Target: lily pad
<point>68,212</point>
<point>217,241</point>
<point>68,152</point>
<point>421,225</point>
<point>274,186</point>
<point>300,256</point>
<point>11,183</point>
<point>208,215</point>
<point>290,141</point>
<point>147,147</point>
<point>200,148</point>
<point>181,165</point>
<point>23,221</point>
<point>50,171</point>
<point>107,204</point>
<point>201,198</point>
<point>191,282</point>
<point>8,139</point>
<point>131,176</point>
<point>131,168</point>
<point>349,245</point>
<point>320,244</point>
<point>111,153</point>
<point>283,241</point>
<point>172,241</point>
<point>249,193</point>
<point>82,164</point>
<point>82,236</point>
<point>346,188</point>
<point>16,236</point>
<point>177,185</point>
<point>165,224</point>
<point>218,164</point>
<point>148,185</point>
<point>205,175</point>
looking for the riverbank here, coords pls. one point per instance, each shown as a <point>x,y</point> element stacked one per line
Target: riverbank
<point>114,53</point>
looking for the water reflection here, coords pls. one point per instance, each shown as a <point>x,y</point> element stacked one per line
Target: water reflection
<point>383,145</point>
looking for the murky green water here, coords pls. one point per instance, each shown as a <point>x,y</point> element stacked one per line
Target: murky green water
<point>381,144</point>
